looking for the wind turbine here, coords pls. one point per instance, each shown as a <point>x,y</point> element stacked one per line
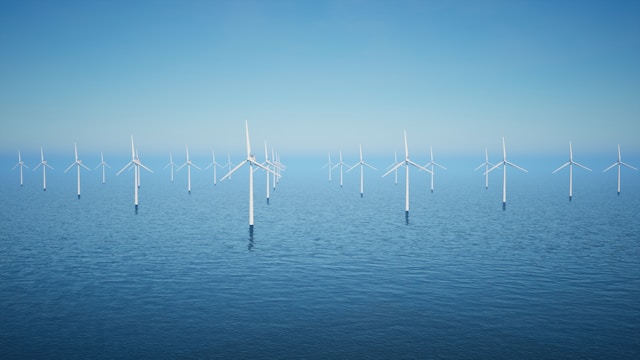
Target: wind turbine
<point>486,165</point>
<point>188,164</point>
<point>228,165</point>
<point>570,163</point>
<point>330,166</point>
<point>267,163</point>
<point>432,164</point>
<point>395,162</point>
<point>362,164</point>
<point>619,163</point>
<point>341,164</point>
<point>251,160</point>
<point>171,164</point>
<point>504,164</point>
<point>103,164</point>
<point>21,164</point>
<point>136,164</point>
<point>213,164</point>
<point>44,164</point>
<point>406,163</point>
<point>77,163</point>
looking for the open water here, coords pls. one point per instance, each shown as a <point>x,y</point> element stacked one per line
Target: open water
<point>326,274</point>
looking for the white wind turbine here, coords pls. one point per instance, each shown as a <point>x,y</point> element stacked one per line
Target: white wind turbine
<point>406,163</point>
<point>77,163</point>
<point>340,164</point>
<point>21,164</point>
<point>171,164</point>
<point>136,164</point>
<point>103,164</point>
<point>229,164</point>
<point>188,164</point>
<point>486,165</point>
<point>504,164</point>
<point>362,164</point>
<point>432,164</point>
<point>330,165</point>
<point>251,160</point>
<point>395,162</point>
<point>214,165</point>
<point>44,164</point>
<point>570,163</point>
<point>271,165</point>
<point>619,164</point>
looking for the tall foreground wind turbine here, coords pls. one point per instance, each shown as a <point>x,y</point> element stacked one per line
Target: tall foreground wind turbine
<point>215,165</point>
<point>432,164</point>
<point>504,164</point>
<point>21,164</point>
<point>136,164</point>
<point>486,165</point>
<point>77,163</point>
<point>340,164</point>
<point>330,166</point>
<point>171,164</point>
<point>103,164</point>
<point>44,165</point>
<point>406,163</point>
<point>619,163</point>
<point>570,163</point>
<point>188,164</point>
<point>251,160</point>
<point>362,164</point>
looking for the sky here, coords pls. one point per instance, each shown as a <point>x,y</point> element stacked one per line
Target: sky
<point>317,76</point>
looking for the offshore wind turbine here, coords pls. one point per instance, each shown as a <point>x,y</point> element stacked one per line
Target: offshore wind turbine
<point>267,163</point>
<point>213,164</point>
<point>504,164</point>
<point>44,165</point>
<point>619,164</point>
<point>188,164</point>
<point>21,164</point>
<point>136,165</point>
<point>171,164</point>
<point>340,164</point>
<point>395,162</point>
<point>228,165</point>
<point>570,163</point>
<point>362,164</point>
<point>486,165</point>
<point>406,162</point>
<point>432,164</point>
<point>79,164</point>
<point>251,160</point>
<point>330,166</point>
<point>103,164</point>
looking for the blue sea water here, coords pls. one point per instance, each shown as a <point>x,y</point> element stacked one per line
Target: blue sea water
<point>326,274</point>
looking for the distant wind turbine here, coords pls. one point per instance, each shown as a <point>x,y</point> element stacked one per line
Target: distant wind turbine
<point>136,165</point>
<point>271,165</point>
<point>171,164</point>
<point>214,165</point>
<point>79,164</point>
<point>229,165</point>
<point>570,163</point>
<point>504,164</point>
<point>21,164</point>
<point>395,162</point>
<point>103,164</point>
<point>340,164</point>
<point>362,164</point>
<point>45,165</point>
<point>432,164</point>
<point>619,164</point>
<point>406,162</point>
<point>188,164</point>
<point>251,160</point>
<point>330,166</point>
<point>486,165</point>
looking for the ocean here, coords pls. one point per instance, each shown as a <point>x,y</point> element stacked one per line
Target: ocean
<point>326,274</point>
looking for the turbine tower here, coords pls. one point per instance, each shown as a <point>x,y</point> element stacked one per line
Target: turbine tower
<point>570,163</point>
<point>103,164</point>
<point>619,164</point>
<point>432,164</point>
<point>21,164</point>
<point>486,165</point>
<point>213,164</point>
<point>406,162</point>
<point>79,164</point>
<point>171,164</point>
<point>362,164</point>
<point>188,164</point>
<point>44,165</point>
<point>136,164</point>
<point>504,164</point>
<point>251,160</point>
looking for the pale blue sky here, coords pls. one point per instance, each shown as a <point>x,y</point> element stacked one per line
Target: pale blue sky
<point>314,76</point>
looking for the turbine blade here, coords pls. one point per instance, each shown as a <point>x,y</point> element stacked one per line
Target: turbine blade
<point>627,165</point>
<point>262,167</point>
<point>393,168</point>
<point>353,167</point>
<point>195,166</point>
<point>69,168</point>
<point>515,166</point>
<point>582,166</point>
<point>124,168</point>
<point>144,167</point>
<point>419,167</point>
<point>609,168</point>
<point>84,166</point>
<point>560,168</point>
<point>246,125</point>
<point>369,166</point>
<point>181,166</point>
<point>494,167</point>
<point>233,170</point>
